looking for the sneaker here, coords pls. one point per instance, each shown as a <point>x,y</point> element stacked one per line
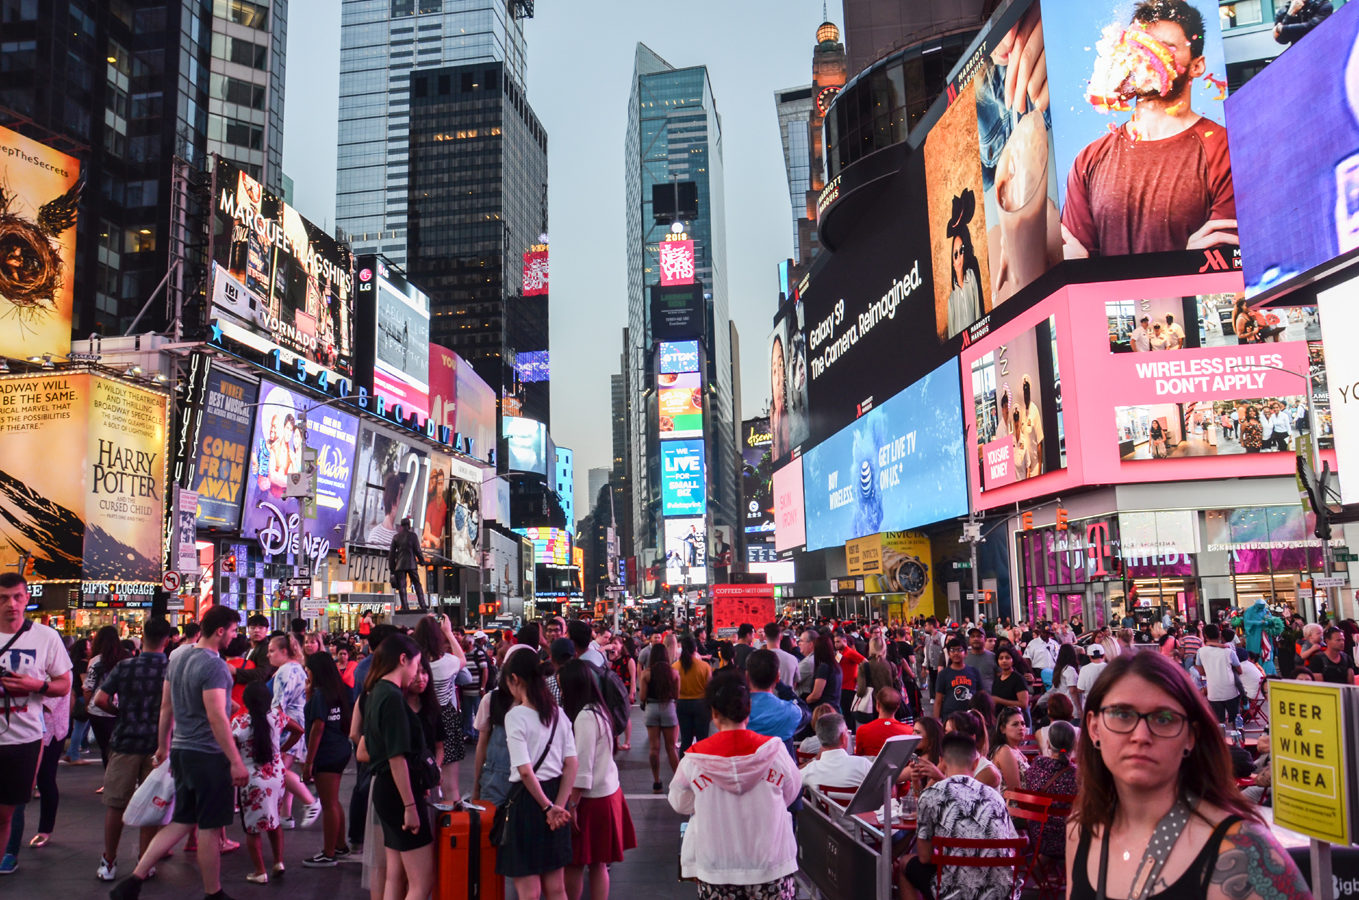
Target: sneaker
<point>319,861</point>
<point>130,888</point>
<point>341,853</point>
<point>289,823</point>
<point>108,871</point>
<point>312,814</point>
<point>8,864</point>
<point>228,845</point>
<point>655,787</point>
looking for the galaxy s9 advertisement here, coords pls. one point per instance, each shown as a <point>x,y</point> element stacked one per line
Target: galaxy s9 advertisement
<point>899,466</point>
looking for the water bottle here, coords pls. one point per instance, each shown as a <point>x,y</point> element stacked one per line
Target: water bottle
<point>1240,724</point>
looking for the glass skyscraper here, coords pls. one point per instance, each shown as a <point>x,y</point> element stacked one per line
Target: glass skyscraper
<point>675,134</point>
<point>381,43</point>
<point>794,106</point>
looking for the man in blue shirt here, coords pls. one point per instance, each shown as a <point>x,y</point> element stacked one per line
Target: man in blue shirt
<point>770,714</point>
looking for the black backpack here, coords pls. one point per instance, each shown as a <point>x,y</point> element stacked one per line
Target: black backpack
<point>615,697</point>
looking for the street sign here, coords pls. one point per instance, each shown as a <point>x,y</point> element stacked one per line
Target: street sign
<point>1311,741</point>
<point>1347,557</point>
<point>170,581</point>
<point>962,565</point>
<point>1322,581</point>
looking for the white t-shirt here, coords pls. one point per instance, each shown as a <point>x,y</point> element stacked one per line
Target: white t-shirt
<point>1070,680</point>
<point>38,653</point>
<point>445,670</point>
<point>1039,653</point>
<point>788,666</point>
<point>598,773</point>
<point>592,655</point>
<point>1217,671</point>
<point>526,736</point>
<point>1088,676</point>
<point>1251,676</point>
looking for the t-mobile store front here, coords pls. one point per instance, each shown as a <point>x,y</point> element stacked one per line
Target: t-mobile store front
<point>1191,564</point>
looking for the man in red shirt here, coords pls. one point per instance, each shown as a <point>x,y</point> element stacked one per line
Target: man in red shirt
<point>849,672</point>
<point>870,737</point>
<point>1163,181</point>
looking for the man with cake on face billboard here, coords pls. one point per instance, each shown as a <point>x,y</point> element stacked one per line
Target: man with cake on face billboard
<point>1160,179</point>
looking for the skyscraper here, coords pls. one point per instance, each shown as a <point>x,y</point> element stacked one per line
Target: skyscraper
<point>794,106</point>
<point>598,478</point>
<point>478,204</point>
<point>381,44</point>
<point>125,88</point>
<point>675,135</point>
<point>564,482</point>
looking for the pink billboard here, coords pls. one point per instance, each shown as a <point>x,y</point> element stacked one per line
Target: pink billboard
<point>459,399</point>
<point>790,516</point>
<point>1161,379</point>
<point>677,262</point>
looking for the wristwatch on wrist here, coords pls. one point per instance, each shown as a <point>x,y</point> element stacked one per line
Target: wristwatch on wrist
<point>46,686</point>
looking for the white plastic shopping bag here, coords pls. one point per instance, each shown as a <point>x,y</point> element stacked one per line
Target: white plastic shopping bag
<point>154,801</point>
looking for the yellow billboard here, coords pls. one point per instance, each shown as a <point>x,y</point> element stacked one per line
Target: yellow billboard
<point>82,477</point>
<point>1308,764</point>
<point>37,246</point>
<point>902,562</point>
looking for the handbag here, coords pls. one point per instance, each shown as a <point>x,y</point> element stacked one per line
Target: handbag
<point>500,823</point>
<point>863,704</point>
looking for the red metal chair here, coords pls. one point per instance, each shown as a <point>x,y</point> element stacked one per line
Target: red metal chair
<point>804,758</point>
<point>1256,707</point>
<point>1013,860</point>
<point>1049,873</point>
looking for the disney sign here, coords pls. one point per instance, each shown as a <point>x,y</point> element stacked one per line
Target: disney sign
<point>283,534</point>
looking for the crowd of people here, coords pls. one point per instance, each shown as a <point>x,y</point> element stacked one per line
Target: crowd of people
<point>254,724</point>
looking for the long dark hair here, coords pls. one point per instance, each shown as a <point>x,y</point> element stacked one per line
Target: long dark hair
<point>661,687</point>
<point>431,638</point>
<point>525,667</point>
<point>1065,657</point>
<point>108,646</point>
<point>387,657</point>
<point>429,711</point>
<point>258,700</point>
<point>823,651</point>
<point>1205,773</point>
<point>325,679</point>
<point>931,739</point>
<point>1003,718</point>
<point>580,693</point>
<point>687,648</point>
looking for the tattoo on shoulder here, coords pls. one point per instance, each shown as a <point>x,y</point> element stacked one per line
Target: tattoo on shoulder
<point>1251,865</point>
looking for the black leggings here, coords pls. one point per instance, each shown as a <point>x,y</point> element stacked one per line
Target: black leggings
<point>47,787</point>
<point>102,726</point>
<point>694,719</point>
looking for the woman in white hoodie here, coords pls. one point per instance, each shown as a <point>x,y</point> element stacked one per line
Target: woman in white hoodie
<point>736,787</point>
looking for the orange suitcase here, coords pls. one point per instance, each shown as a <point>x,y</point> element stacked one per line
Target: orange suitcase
<point>466,859</point>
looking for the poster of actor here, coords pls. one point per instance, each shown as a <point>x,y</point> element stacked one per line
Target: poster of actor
<point>1161,179</point>
<point>788,421</point>
<point>1018,400</point>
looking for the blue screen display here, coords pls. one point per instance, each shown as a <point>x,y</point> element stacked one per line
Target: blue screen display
<point>900,466</point>
<point>533,365</point>
<point>679,357</point>
<point>683,481</point>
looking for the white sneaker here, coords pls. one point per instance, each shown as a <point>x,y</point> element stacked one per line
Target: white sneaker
<point>108,871</point>
<point>289,823</point>
<point>312,814</point>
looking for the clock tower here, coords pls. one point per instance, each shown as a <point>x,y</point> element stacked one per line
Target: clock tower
<point>828,77</point>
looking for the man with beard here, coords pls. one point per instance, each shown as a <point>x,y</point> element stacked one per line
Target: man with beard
<point>1162,181</point>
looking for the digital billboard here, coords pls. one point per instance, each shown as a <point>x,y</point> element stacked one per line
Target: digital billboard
<point>535,273</point>
<point>392,322</point>
<point>679,401</point>
<point>683,479</point>
<point>676,259</point>
<point>279,281</point>
<point>38,242</point>
<point>533,366</point>
<point>223,450</point>
<point>686,551</point>
<point>452,510</point>
<point>788,415</point>
<point>677,313</point>
<point>1017,392</point>
<point>82,477</point>
<point>551,546</point>
<point>900,466</point>
<point>461,401</point>
<point>391,482</point>
<point>527,444</point>
<point>276,453</point>
<point>757,474</point>
<point>790,516</point>
<point>679,357</point>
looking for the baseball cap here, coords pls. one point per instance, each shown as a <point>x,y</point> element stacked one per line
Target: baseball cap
<point>479,636</point>
<point>1094,650</point>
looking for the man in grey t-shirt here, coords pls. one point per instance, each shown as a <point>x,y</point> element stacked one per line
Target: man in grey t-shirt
<point>983,660</point>
<point>195,704</point>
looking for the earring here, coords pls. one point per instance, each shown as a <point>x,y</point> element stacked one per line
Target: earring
<point>1096,745</point>
<point>1186,752</point>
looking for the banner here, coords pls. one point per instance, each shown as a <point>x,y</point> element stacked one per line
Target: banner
<point>186,533</point>
<point>38,236</point>
<point>223,450</point>
<point>1339,309</point>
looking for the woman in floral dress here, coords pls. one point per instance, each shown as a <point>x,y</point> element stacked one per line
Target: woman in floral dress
<point>259,732</point>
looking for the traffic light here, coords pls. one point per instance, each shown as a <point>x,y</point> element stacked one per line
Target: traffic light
<point>1061,519</point>
<point>30,564</point>
<point>343,556</point>
<point>229,563</point>
<point>1027,519</point>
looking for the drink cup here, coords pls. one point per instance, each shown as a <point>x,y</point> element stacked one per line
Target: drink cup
<point>1021,196</point>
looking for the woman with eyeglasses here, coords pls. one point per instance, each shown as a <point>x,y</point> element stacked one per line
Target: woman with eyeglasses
<point>1158,814</point>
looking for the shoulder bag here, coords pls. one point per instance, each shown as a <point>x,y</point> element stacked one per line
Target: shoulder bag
<point>518,793</point>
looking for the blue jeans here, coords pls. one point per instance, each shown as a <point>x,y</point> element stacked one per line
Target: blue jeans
<point>78,732</point>
<point>694,719</point>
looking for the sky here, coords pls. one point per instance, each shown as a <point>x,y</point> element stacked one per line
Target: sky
<point>580,58</point>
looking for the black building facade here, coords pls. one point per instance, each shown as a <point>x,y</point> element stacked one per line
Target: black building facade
<point>478,204</point>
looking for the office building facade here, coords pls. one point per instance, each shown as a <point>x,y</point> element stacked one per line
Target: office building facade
<point>794,107</point>
<point>564,482</point>
<point>477,205</point>
<point>382,42</point>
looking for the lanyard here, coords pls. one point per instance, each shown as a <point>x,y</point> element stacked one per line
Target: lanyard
<point>1163,839</point>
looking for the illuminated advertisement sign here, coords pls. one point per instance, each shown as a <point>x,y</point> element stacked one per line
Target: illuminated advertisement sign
<point>460,401</point>
<point>393,335</point>
<point>788,419</point>
<point>551,546</point>
<point>279,280</point>
<point>276,453</point>
<point>679,358</point>
<point>533,365</point>
<point>686,551</point>
<point>757,472</point>
<point>535,272</point>
<point>527,444</point>
<point>38,211</point>
<point>790,518</point>
<point>676,259</point>
<point>391,483</point>
<point>223,450</point>
<point>680,404</point>
<point>1018,392</point>
<point>683,479</point>
<point>898,467</point>
<point>1298,209</point>
<point>1225,398</point>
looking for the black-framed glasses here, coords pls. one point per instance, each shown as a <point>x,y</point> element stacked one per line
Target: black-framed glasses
<point>1163,723</point>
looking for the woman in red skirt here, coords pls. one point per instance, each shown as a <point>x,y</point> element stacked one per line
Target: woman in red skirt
<point>602,828</point>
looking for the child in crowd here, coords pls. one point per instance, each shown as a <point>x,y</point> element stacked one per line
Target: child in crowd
<point>259,730</point>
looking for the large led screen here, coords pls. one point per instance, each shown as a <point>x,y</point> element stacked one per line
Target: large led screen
<point>683,479</point>
<point>223,450</point>
<point>1295,137</point>
<point>277,453</point>
<point>898,467</point>
<point>38,212</point>
<point>399,340</point>
<point>1017,392</point>
<point>679,357</point>
<point>460,400</point>
<point>788,415</point>
<point>280,281</point>
<point>757,473</point>
<point>551,546</point>
<point>686,551</point>
<point>391,483</point>
<point>790,515</point>
<point>452,510</point>
<point>527,444</point>
<point>679,402</point>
